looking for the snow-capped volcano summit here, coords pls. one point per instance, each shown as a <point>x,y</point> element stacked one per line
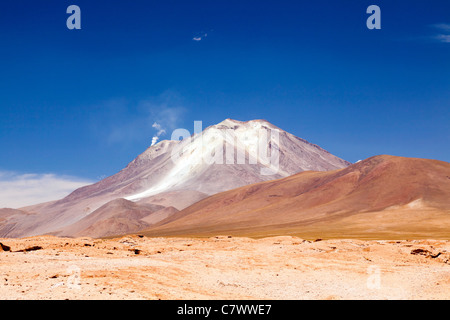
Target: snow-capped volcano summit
<point>232,154</point>
<point>178,173</point>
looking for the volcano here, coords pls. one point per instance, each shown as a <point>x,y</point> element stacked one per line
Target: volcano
<point>175,174</point>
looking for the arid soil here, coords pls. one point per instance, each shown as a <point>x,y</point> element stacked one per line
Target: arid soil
<point>224,267</point>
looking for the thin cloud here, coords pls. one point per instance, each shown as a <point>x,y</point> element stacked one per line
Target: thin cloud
<point>445,27</point>
<point>445,38</point>
<point>201,36</point>
<point>444,32</point>
<point>20,190</point>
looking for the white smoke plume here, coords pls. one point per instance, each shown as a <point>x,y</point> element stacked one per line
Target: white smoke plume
<point>160,132</point>
<point>131,121</point>
<point>154,141</point>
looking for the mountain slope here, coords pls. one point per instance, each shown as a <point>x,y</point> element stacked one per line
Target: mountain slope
<point>383,196</point>
<point>115,217</point>
<point>155,176</point>
<point>10,219</point>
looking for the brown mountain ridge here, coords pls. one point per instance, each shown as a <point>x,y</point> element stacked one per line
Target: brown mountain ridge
<point>383,197</point>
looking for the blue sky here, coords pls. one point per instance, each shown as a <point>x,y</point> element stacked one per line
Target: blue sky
<point>81,103</point>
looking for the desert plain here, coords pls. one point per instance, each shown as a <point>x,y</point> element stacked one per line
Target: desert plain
<point>223,267</point>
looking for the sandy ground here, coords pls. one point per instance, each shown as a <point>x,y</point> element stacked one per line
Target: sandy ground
<point>224,268</point>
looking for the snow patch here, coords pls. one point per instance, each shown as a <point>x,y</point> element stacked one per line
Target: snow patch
<point>416,204</point>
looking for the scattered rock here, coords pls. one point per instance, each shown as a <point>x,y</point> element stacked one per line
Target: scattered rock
<point>4,248</point>
<point>128,242</point>
<point>136,251</point>
<point>422,252</point>
<point>426,253</point>
<point>434,256</point>
<point>34,248</point>
<point>295,263</point>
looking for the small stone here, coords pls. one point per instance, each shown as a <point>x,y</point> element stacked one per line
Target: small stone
<point>4,248</point>
<point>34,248</point>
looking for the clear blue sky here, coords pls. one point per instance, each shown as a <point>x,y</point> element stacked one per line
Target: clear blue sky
<point>82,102</point>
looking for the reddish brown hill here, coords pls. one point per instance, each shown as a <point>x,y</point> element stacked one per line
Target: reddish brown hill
<point>381,197</point>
